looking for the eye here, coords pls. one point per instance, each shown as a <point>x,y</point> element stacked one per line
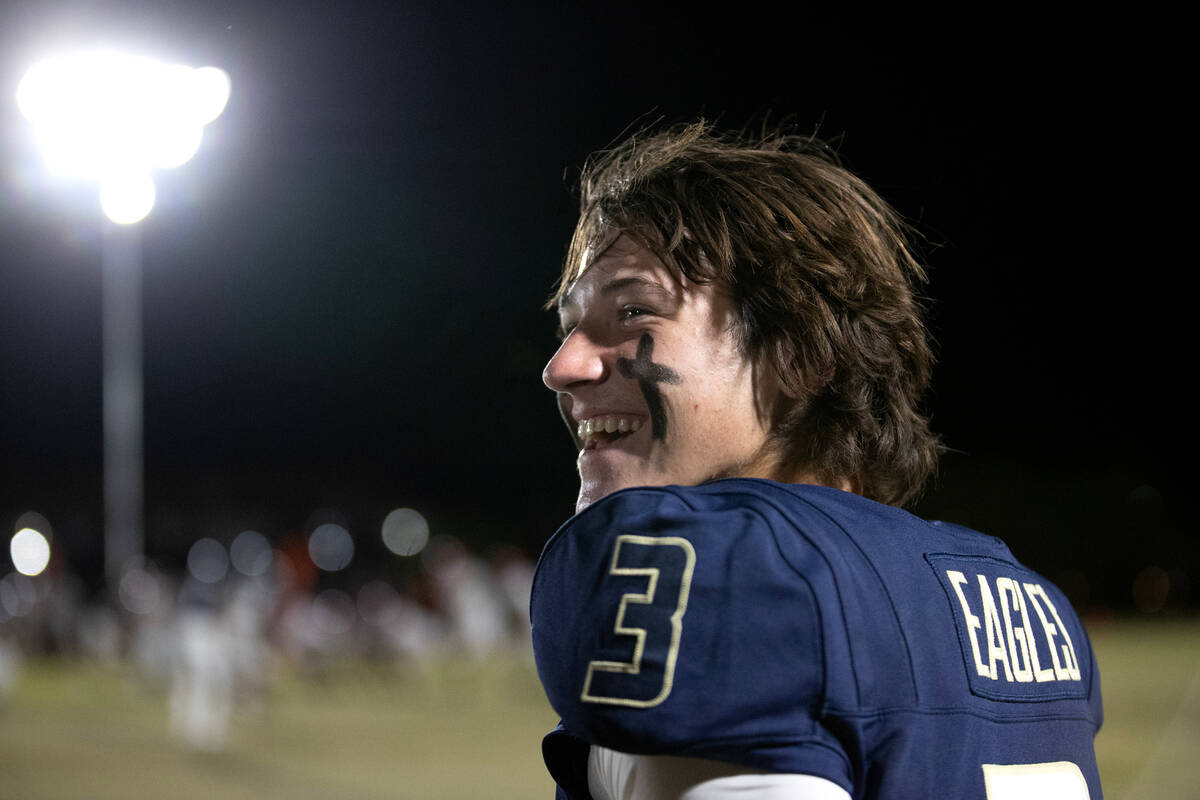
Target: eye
<point>629,312</point>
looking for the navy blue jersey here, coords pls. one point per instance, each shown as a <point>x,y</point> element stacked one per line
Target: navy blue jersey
<point>802,629</point>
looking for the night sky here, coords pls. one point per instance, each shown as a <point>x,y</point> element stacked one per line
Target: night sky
<point>342,289</point>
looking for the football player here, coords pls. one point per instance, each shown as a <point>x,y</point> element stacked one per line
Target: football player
<point>740,607</point>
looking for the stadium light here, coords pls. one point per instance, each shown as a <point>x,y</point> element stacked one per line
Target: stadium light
<point>104,116</point>
<point>112,118</point>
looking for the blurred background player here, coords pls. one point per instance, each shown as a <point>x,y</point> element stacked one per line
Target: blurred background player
<point>740,329</point>
<point>202,670</point>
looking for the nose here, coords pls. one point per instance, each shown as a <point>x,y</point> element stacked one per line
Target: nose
<point>579,361</point>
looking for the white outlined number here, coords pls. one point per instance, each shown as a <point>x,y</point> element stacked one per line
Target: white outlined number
<point>666,563</point>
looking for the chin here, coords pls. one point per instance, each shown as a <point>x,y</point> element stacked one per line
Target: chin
<point>596,488</point>
<point>591,491</point>
<point>589,495</point>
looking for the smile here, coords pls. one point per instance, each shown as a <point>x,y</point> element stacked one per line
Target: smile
<point>592,432</point>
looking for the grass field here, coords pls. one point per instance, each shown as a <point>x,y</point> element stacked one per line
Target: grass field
<point>1149,746</point>
<point>472,731</point>
<point>459,731</point>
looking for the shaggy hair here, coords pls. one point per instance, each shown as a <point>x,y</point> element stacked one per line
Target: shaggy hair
<point>822,277</point>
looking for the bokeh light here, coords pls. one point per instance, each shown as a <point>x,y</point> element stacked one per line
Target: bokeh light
<point>207,561</point>
<point>330,547</point>
<point>405,531</point>
<point>139,589</point>
<point>30,551</point>
<point>251,554</point>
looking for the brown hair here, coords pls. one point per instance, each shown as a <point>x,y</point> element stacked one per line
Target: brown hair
<point>821,273</point>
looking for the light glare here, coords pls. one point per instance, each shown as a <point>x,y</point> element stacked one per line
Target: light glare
<point>100,115</point>
<point>174,145</point>
<point>127,199</point>
<point>30,551</point>
<point>209,94</point>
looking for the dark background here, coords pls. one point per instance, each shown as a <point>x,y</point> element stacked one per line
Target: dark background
<point>342,289</point>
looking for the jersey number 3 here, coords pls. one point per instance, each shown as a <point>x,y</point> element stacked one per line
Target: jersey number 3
<point>638,667</point>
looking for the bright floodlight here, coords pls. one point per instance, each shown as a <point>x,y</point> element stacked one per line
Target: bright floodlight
<point>30,551</point>
<point>110,117</point>
<point>127,199</point>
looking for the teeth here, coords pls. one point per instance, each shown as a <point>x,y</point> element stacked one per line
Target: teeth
<point>589,429</point>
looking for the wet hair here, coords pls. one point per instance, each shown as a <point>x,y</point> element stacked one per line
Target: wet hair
<point>822,275</point>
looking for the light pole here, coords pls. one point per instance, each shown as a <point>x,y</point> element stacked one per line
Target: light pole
<point>121,312</point>
<point>113,118</point>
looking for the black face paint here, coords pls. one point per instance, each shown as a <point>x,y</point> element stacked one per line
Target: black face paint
<point>648,375</point>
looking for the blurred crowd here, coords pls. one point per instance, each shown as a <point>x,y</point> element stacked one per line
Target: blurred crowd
<point>213,634</point>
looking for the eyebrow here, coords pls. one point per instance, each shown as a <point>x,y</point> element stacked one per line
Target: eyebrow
<point>617,284</point>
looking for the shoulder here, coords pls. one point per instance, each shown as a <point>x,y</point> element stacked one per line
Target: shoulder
<point>805,506</point>
<point>815,532</point>
<point>737,506</point>
<point>681,620</point>
<point>750,529</point>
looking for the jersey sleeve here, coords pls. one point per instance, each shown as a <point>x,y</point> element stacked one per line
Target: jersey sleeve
<point>662,628</point>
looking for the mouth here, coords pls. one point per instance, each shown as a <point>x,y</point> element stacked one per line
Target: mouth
<point>599,432</point>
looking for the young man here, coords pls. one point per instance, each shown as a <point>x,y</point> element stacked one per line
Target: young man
<point>740,608</point>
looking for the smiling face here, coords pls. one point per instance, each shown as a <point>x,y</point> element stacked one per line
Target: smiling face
<point>651,373</point>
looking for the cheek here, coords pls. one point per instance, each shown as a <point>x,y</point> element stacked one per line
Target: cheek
<point>714,398</point>
<point>725,404</point>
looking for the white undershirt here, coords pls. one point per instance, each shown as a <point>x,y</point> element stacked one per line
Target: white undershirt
<point>613,775</point>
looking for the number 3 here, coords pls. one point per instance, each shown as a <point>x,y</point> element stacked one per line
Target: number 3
<point>1055,780</point>
<point>652,618</point>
